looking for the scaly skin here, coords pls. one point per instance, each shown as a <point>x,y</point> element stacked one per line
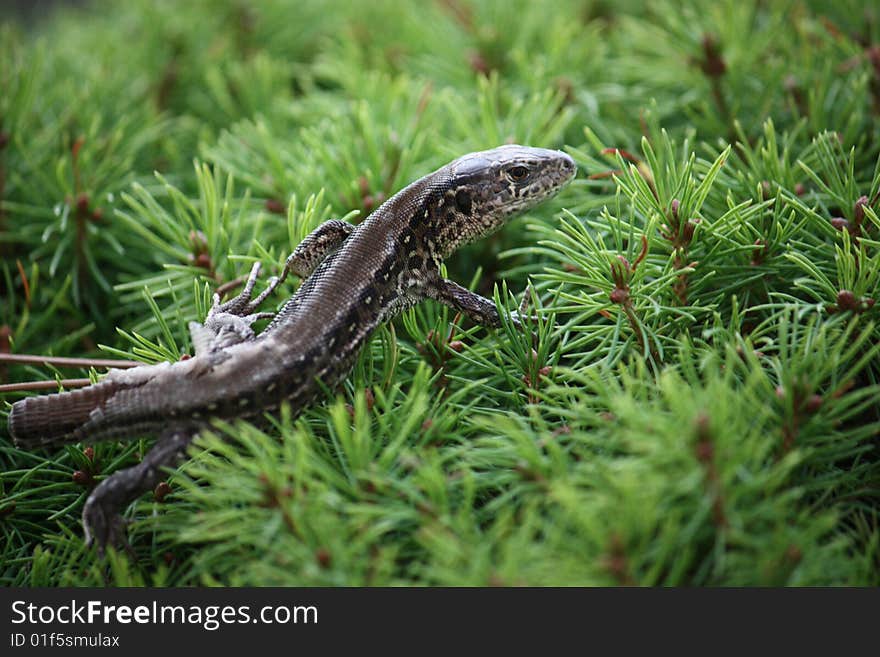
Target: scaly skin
<point>355,278</point>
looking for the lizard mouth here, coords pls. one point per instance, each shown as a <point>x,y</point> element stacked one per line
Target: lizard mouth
<point>568,167</point>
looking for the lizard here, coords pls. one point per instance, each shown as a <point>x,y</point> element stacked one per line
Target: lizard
<point>353,278</point>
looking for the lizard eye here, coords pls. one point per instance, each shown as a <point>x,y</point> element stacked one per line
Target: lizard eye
<point>518,173</point>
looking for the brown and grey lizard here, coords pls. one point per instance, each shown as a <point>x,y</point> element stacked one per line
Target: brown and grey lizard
<point>354,278</point>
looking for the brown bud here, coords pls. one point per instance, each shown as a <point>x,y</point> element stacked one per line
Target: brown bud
<point>859,209</point>
<point>618,295</point>
<point>758,254</point>
<point>713,64</point>
<point>203,260</point>
<point>427,424</point>
<point>456,345</point>
<point>793,554</point>
<point>82,203</point>
<point>780,392</point>
<point>874,56</point>
<point>799,189</point>
<point>846,300</point>
<point>478,63</point>
<point>82,478</point>
<point>76,146</point>
<point>703,428</point>
<point>161,491</point>
<point>839,223</point>
<point>89,453</point>
<point>322,556</point>
<point>704,451</point>
<point>275,206</point>
<point>814,403</point>
<point>673,207</point>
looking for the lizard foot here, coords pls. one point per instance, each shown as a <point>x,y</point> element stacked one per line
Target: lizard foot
<point>230,322</point>
<point>243,305</point>
<point>101,517</point>
<point>103,525</point>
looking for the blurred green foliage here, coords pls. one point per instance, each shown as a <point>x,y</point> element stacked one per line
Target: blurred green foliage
<point>697,401</point>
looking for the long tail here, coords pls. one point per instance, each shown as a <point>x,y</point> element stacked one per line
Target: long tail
<point>58,418</point>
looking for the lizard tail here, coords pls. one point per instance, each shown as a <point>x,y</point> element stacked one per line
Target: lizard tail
<point>56,419</point>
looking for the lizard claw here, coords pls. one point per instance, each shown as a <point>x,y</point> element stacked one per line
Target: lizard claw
<point>526,300</point>
<point>241,303</point>
<point>522,313</point>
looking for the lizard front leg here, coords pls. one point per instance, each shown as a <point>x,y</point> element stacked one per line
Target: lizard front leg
<point>478,308</point>
<point>308,254</point>
<point>101,516</point>
<point>316,246</point>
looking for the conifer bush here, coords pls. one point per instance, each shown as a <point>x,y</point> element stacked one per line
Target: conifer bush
<point>696,400</point>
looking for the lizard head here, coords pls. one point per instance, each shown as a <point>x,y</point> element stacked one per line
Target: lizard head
<point>489,187</point>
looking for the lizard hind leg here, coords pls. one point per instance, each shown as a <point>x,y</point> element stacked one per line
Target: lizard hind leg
<point>230,322</point>
<point>102,521</point>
